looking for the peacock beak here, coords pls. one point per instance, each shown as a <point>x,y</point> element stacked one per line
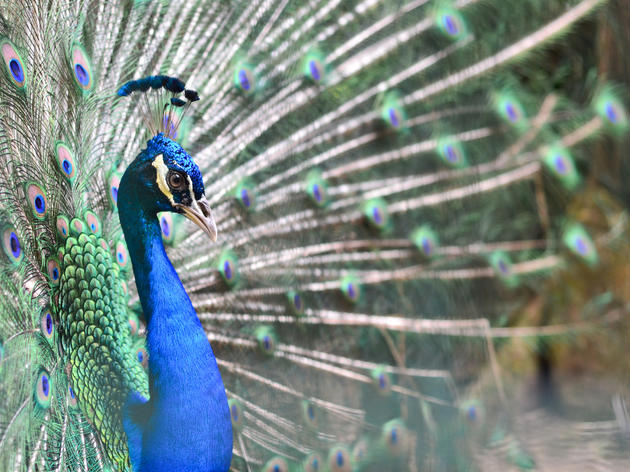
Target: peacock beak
<point>199,213</point>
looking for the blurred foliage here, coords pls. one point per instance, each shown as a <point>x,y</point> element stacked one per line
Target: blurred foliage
<point>577,373</point>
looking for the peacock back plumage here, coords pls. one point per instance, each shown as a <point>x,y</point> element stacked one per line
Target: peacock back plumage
<point>390,183</point>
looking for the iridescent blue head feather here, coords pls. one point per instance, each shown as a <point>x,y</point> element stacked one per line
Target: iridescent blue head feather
<point>176,158</point>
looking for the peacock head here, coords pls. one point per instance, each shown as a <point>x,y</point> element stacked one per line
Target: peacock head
<point>164,177</point>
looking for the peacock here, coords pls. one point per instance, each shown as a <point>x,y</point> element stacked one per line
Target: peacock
<point>322,236</point>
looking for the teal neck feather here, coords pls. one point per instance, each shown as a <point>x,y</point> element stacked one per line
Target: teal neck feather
<point>186,423</point>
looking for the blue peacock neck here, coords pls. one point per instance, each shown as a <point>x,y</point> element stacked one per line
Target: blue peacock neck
<point>187,423</point>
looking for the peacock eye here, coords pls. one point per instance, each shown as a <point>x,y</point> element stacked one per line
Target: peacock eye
<point>176,180</point>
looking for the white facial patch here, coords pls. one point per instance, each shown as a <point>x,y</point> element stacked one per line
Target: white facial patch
<point>162,171</point>
<point>190,189</point>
